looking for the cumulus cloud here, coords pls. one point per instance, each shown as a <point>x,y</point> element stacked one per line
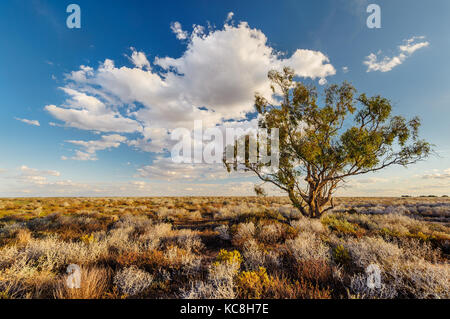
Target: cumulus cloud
<point>229,17</point>
<point>405,50</point>
<point>214,80</point>
<point>412,46</point>
<point>87,112</point>
<point>312,64</point>
<point>91,147</point>
<point>139,59</point>
<point>30,122</point>
<point>179,33</point>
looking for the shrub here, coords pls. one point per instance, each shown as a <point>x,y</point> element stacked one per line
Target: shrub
<point>341,255</point>
<point>368,250</point>
<point>189,240</point>
<point>409,276</point>
<point>223,232</point>
<point>151,260</point>
<point>228,257</point>
<point>94,285</point>
<point>209,290</point>
<point>23,236</point>
<point>87,239</point>
<point>256,256</point>
<point>414,248</point>
<point>220,281</point>
<point>242,233</point>
<point>421,279</point>
<point>270,233</point>
<point>316,271</point>
<point>282,288</point>
<point>182,259</point>
<point>273,232</point>
<point>307,246</point>
<point>24,279</point>
<point>132,281</point>
<point>303,258</point>
<point>360,289</point>
<point>253,284</point>
<point>342,226</point>
<point>309,225</point>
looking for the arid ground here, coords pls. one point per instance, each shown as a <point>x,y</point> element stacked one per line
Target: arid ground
<point>217,247</point>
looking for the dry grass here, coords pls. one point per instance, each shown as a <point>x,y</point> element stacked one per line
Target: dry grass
<point>212,247</point>
<point>94,285</point>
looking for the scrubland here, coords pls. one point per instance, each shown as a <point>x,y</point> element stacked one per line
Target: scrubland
<point>213,247</point>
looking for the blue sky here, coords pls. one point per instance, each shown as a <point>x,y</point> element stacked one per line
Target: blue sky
<point>118,150</point>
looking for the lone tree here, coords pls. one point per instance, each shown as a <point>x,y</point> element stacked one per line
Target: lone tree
<point>319,147</point>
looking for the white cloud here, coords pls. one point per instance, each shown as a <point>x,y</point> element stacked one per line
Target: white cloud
<point>410,46</point>
<point>229,17</point>
<point>85,120</point>
<point>220,71</point>
<point>155,139</point>
<point>36,182</point>
<point>445,174</point>
<point>345,69</point>
<point>176,28</point>
<point>91,147</point>
<point>35,176</point>
<point>82,156</point>
<point>372,180</point>
<point>131,188</point>
<point>312,64</point>
<point>197,182</point>
<point>30,122</point>
<point>139,59</point>
<point>89,113</point>
<point>214,80</point>
<point>404,51</point>
<point>27,171</point>
<point>322,81</point>
<point>164,169</point>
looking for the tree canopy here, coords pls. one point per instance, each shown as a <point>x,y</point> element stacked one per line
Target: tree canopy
<point>321,146</point>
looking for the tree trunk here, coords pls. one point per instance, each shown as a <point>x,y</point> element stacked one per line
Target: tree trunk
<point>314,210</point>
<point>313,207</point>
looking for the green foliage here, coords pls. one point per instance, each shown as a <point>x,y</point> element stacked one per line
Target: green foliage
<point>228,257</point>
<point>4,294</point>
<point>315,147</point>
<point>341,255</point>
<point>253,284</point>
<point>388,233</point>
<point>341,225</point>
<point>259,191</point>
<point>87,239</point>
